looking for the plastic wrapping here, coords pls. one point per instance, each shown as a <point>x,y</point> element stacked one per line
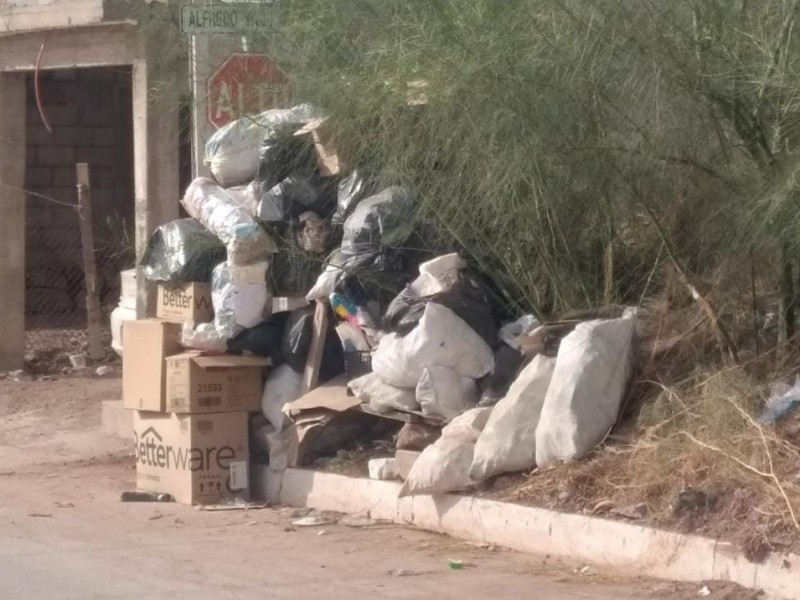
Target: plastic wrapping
<point>214,208</point>
<point>232,153</point>
<point>204,337</point>
<point>240,297</point>
<point>378,221</point>
<point>245,197</point>
<point>182,251</point>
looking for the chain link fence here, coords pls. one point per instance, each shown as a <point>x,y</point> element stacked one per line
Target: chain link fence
<point>55,290</point>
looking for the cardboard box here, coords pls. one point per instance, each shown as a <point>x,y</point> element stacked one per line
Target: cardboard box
<point>198,459</point>
<point>213,384</point>
<point>187,302</point>
<point>146,344</point>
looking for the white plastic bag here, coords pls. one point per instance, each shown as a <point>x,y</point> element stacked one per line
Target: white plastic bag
<point>593,366</point>
<point>444,465</point>
<point>510,332</point>
<point>381,396</point>
<point>283,385</point>
<point>441,392</point>
<point>204,337</point>
<point>213,207</point>
<point>240,297</point>
<point>245,197</point>
<point>232,152</point>
<point>440,339</point>
<point>438,274</point>
<point>508,442</point>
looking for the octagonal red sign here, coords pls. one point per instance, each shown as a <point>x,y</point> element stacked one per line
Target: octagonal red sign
<point>243,84</point>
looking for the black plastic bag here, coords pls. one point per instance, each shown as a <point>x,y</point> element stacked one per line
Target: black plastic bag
<point>383,220</point>
<point>296,344</point>
<point>262,340</point>
<point>508,363</point>
<point>282,153</point>
<point>350,191</point>
<point>295,195</point>
<point>467,297</point>
<point>182,251</point>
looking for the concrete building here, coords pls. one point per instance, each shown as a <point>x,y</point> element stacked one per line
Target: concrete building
<point>95,68</point>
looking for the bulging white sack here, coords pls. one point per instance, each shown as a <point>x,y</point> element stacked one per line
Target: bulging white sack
<point>440,339</point>
<point>441,392</point>
<point>283,385</point>
<point>381,396</point>
<point>593,366</point>
<point>240,297</point>
<point>444,465</point>
<point>508,442</point>
<point>245,240</point>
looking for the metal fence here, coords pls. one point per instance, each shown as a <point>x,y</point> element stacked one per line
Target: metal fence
<point>55,282</point>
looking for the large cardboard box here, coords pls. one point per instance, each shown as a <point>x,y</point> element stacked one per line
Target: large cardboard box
<point>198,459</point>
<point>187,302</point>
<point>146,344</point>
<point>213,384</point>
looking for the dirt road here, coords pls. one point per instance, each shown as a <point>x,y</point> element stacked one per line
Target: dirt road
<point>64,534</point>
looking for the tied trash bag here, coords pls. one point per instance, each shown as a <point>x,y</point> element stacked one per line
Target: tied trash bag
<point>262,340</point>
<point>467,298</point>
<point>444,465</point>
<point>240,297</point>
<point>232,152</point>
<point>350,192</point>
<point>508,442</point>
<point>593,367</point>
<point>384,219</point>
<point>296,344</point>
<point>245,197</point>
<point>441,339</point>
<point>204,337</point>
<point>212,206</point>
<point>293,196</point>
<point>182,251</point>
<point>282,153</point>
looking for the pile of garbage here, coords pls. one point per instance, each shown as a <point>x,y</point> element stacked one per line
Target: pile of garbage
<point>412,334</point>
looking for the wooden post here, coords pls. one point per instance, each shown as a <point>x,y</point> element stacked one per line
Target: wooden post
<point>89,267</point>
<point>311,376</point>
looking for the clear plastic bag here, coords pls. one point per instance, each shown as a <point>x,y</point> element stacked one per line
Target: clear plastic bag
<point>240,297</point>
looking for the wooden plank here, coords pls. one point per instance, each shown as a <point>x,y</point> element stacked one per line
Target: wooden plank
<point>93,314</point>
<point>321,317</point>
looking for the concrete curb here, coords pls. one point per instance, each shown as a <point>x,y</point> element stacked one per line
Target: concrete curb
<point>601,542</point>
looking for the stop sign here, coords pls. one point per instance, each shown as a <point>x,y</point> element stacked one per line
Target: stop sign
<point>243,84</point>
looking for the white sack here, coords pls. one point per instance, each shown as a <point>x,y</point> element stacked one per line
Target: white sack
<point>440,339</point>
<point>244,196</point>
<point>214,208</point>
<point>283,385</point>
<point>508,442</point>
<point>232,152</point>
<point>240,297</point>
<point>381,396</point>
<point>441,392</point>
<point>204,337</point>
<point>444,465</point>
<point>593,366</point>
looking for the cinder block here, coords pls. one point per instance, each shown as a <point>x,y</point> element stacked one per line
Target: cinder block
<point>71,135</point>
<point>403,461</point>
<point>52,156</point>
<point>95,157</point>
<point>37,135</point>
<point>62,115</point>
<point>64,177</point>
<point>38,177</point>
<point>103,136</point>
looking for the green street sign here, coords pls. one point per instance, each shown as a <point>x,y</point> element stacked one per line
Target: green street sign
<point>240,17</point>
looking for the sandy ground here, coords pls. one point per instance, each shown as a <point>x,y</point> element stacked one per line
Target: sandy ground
<point>64,534</point>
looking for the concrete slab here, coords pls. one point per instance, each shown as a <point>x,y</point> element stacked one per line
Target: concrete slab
<point>624,547</point>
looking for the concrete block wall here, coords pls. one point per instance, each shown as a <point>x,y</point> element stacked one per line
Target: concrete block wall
<point>90,112</point>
